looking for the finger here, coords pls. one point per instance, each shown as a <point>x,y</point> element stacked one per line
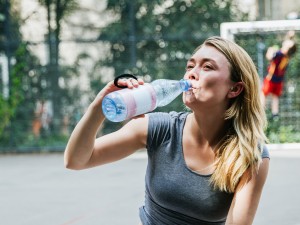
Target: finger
<point>130,83</point>
<point>110,87</point>
<point>123,82</point>
<point>125,75</point>
<point>140,81</point>
<point>134,82</point>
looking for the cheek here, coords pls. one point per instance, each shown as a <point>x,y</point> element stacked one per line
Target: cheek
<point>186,76</point>
<point>215,88</point>
<point>188,97</point>
<point>218,82</point>
<point>209,81</point>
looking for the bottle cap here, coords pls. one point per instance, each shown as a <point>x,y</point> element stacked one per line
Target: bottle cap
<point>185,84</point>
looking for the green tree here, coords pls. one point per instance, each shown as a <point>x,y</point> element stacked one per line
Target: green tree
<point>57,11</point>
<point>151,35</point>
<point>25,75</point>
<point>28,79</point>
<point>9,44</point>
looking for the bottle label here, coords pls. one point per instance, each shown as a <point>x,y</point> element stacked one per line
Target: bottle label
<point>139,100</point>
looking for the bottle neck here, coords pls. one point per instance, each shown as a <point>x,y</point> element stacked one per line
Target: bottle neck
<point>185,85</point>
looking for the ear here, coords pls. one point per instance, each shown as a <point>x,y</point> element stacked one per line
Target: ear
<point>235,89</point>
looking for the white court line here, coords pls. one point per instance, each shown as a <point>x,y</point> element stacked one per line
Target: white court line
<point>288,150</point>
<point>285,153</point>
<point>286,146</point>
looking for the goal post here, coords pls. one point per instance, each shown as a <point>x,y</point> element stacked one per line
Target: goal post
<point>229,29</point>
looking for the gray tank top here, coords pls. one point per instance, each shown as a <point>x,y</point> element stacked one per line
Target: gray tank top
<point>174,194</point>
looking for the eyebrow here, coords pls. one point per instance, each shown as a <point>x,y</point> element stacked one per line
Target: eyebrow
<point>204,60</point>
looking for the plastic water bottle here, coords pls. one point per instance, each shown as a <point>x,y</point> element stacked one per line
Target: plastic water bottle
<point>126,103</point>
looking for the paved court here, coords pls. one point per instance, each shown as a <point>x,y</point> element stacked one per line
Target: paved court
<point>36,189</point>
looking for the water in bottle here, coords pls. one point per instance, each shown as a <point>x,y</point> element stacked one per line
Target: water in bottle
<point>127,103</point>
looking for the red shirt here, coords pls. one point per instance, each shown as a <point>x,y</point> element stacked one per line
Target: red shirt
<point>278,66</point>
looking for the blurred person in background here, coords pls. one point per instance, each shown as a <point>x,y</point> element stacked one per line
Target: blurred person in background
<point>274,80</point>
<point>207,165</point>
<point>42,120</point>
<point>37,120</point>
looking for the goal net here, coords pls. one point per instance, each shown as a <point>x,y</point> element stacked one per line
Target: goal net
<point>256,37</point>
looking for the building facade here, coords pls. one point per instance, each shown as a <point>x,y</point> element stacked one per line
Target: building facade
<point>277,9</point>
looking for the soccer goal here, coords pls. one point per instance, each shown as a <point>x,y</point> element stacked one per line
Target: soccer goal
<point>230,29</point>
<point>256,37</point>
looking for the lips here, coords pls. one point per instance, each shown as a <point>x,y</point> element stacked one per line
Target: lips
<point>194,89</point>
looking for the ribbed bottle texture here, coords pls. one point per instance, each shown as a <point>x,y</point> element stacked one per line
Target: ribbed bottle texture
<point>127,103</point>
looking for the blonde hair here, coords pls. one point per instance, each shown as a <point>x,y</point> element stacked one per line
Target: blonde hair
<point>242,147</point>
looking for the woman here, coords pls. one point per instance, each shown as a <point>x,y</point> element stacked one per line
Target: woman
<point>207,166</point>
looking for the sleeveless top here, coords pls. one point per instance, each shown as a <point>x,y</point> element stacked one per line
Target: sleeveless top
<point>174,194</point>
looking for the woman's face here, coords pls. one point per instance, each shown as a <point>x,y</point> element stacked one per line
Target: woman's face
<point>208,69</point>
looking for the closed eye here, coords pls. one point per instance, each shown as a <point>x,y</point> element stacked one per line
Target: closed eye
<point>189,67</point>
<point>208,66</point>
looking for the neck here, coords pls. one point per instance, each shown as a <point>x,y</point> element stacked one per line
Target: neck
<point>207,129</point>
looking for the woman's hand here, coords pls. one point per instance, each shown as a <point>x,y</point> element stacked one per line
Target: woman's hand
<point>82,150</point>
<point>110,87</point>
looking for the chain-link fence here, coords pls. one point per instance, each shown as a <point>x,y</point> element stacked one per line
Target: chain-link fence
<point>286,127</point>
<point>34,128</point>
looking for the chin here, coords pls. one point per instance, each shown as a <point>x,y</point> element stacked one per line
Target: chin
<point>187,102</point>
<point>188,98</point>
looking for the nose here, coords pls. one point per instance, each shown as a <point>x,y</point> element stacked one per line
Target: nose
<point>193,74</point>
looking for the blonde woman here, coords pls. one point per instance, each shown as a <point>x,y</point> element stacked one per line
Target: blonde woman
<point>207,166</point>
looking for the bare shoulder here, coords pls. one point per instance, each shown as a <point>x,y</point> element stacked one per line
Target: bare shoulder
<point>137,128</point>
<point>133,133</point>
<point>256,180</point>
<point>247,196</point>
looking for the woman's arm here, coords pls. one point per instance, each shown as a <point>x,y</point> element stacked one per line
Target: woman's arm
<point>84,150</point>
<point>247,196</point>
